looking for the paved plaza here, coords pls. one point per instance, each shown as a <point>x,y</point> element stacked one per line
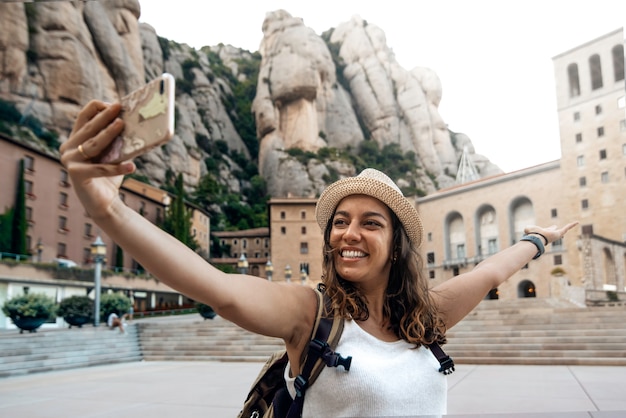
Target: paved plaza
<point>217,389</point>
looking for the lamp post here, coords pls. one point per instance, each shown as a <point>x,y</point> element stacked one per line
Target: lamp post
<point>303,275</point>
<point>39,250</point>
<point>269,270</point>
<point>98,252</point>
<point>288,273</point>
<point>242,264</point>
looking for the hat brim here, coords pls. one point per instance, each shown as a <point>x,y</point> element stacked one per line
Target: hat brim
<point>400,205</point>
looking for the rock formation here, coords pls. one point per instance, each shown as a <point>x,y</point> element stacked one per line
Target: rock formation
<point>313,92</point>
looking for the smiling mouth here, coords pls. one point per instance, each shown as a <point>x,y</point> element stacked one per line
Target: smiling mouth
<point>353,254</point>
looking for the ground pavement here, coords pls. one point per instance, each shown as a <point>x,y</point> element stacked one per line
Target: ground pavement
<point>217,389</point>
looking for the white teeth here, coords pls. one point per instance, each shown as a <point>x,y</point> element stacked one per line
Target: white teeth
<point>352,254</point>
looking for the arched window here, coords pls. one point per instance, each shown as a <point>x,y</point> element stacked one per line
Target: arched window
<point>595,68</point>
<point>488,230</point>
<point>456,237</point>
<point>522,215</point>
<point>618,62</point>
<point>574,81</point>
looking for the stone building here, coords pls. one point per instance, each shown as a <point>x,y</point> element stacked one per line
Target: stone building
<point>251,246</point>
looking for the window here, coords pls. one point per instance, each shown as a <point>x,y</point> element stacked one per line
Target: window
<point>431,274</point>
<point>574,82</point>
<point>492,246</point>
<point>622,125</point>
<point>460,251</point>
<point>595,68</point>
<point>63,199</point>
<point>303,215</point>
<point>604,177</point>
<point>553,213</point>
<point>64,179</point>
<point>624,149</point>
<point>558,260</point>
<point>244,243</point>
<point>558,244</point>
<point>621,102</point>
<point>603,154</point>
<point>282,215</point>
<point>283,230</point>
<point>62,223</point>
<point>430,258</point>
<point>600,131</point>
<point>618,62</point>
<point>29,214</point>
<point>580,161</point>
<point>303,230</point>
<point>88,230</point>
<point>29,189</point>
<point>582,181</point>
<point>584,204</point>
<point>267,243</point>
<point>29,163</point>
<point>455,271</point>
<point>587,229</point>
<point>430,234</point>
<point>304,248</point>
<point>576,116</point>
<point>579,138</point>
<point>598,109</point>
<point>61,250</point>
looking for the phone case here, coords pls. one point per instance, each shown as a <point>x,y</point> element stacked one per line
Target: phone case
<point>148,115</point>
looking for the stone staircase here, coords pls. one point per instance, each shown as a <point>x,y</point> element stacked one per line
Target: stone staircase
<point>529,331</point>
<point>540,331</point>
<point>189,338</point>
<point>59,349</point>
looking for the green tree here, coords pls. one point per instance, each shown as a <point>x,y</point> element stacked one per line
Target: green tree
<point>20,225</point>
<point>177,220</point>
<point>6,224</point>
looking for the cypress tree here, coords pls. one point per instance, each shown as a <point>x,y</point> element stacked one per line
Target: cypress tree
<point>177,220</point>
<point>20,224</point>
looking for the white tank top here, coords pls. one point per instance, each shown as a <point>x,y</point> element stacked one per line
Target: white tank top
<point>384,379</point>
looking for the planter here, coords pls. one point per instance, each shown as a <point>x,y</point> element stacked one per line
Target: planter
<point>208,314</point>
<point>28,324</point>
<point>77,321</point>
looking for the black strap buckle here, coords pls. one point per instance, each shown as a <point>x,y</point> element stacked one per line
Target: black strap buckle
<point>331,358</point>
<point>447,366</point>
<point>300,384</point>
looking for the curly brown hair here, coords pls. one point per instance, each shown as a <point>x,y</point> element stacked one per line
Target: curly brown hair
<point>408,305</point>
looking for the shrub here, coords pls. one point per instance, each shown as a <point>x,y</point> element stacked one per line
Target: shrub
<point>32,305</point>
<point>113,303</point>
<point>76,307</point>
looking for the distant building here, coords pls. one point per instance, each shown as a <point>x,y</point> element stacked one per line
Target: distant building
<point>253,244</point>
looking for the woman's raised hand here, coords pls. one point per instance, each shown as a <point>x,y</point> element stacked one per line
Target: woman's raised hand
<point>551,233</point>
<point>97,185</point>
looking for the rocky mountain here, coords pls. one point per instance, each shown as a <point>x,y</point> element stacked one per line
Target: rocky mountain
<point>299,109</point>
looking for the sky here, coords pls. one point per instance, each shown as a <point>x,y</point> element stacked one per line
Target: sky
<point>493,57</point>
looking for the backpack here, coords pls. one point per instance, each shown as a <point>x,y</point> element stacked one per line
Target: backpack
<point>269,398</point>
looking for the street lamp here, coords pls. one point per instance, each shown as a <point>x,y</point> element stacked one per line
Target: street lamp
<point>303,275</point>
<point>242,264</point>
<point>39,250</point>
<point>269,270</point>
<point>98,252</point>
<point>288,273</point>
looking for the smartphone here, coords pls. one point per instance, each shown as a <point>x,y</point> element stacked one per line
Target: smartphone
<point>148,115</point>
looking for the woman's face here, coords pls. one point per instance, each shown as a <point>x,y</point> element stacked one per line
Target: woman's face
<point>361,235</point>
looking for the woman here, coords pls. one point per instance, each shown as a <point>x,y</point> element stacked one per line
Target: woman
<point>371,272</point>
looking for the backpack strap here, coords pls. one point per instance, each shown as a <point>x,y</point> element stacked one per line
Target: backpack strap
<point>445,361</point>
<point>327,331</point>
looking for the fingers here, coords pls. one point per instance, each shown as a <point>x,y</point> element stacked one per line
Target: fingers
<point>96,126</point>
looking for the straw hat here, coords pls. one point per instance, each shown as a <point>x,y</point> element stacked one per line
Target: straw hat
<point>372,183</point>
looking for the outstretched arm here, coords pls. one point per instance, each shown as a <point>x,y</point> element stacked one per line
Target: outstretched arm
<point>457,296</point>
<point>257,305</point>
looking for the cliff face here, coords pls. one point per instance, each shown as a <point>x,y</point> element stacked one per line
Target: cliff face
<point>56,56</point>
